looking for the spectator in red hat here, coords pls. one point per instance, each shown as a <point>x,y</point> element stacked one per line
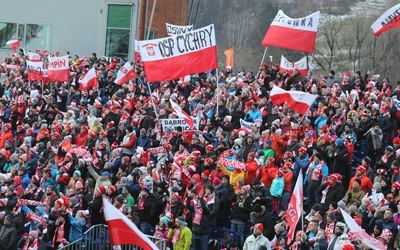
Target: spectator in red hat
<point>268,172</point>
<point>5,135</point>
<point>330,191</point>
<point>366,183</point>
<point>257,239</point>
<point>82,137</point>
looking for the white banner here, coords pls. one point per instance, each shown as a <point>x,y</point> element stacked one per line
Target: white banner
<point>246,125</point>
<point>309,23</point>
<point>177,29</point>
<point>170,124</point>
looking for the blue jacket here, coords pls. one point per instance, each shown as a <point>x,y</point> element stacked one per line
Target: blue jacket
<point>77,225</point>
<point>253,115</point>
<point>319,122</point>
<point>301,163</point>
<point>25,181</point>
<point>277,187</point>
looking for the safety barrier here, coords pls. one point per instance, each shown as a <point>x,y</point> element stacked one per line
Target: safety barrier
<point>96,238</point>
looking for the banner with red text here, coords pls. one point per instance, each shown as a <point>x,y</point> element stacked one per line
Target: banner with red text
<point>300,66</point>
<point>176,56</point>
<point>58,69</point>
<point>389,20</point>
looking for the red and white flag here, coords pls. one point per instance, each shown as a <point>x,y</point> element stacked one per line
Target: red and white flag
<point>295,208</point>
<point>297,100</point>
<point>89,81</point>
<point>138,59</point>
<point>300,66</point>
<point>177,29</point>
<point>361,234</point>
<point>125,74</point>
<point>176,56</point>
<point>293,33</point>
<point>35,70</point>
<point>389,20</point>
<point>123,231</point>
<point>58,69</point>
<point>14,44</point>
<point>182,114</point>
<point>34,56</point>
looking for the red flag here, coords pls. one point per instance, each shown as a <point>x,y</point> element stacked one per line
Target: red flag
<point>89,81</point>
<point>176,56</point>
<point>14,44</point>
<point>361,234</point>
<point>295,208</point>
<point>123,231</point>
<point>229,53</point>
<point>35,70</point>
<point>125,74</point>
<point>293,33</point>
<point>182,114</point>
<point>58,69</point>
<point>389,20</point>
<point>296,100</point>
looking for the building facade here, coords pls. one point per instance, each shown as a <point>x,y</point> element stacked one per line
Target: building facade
<point>105,27</point>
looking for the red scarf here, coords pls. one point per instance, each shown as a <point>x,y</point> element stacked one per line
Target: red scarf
<point>329,230</point>
<point>59,235</point>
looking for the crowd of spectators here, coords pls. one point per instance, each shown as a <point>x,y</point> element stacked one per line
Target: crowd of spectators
<point>62,150</point>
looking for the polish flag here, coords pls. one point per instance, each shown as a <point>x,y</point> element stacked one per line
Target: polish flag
<point>35,70</point>
<point>176,56</point>
<point>295,208</point>
<point>300,65</point>
<point>293,33</point>
<point>123,231</point>
<point>14,44</point>
<point>389,20</point>
<point>125,74</point>
<point>296,100</point>
<point>138,59</point>
<point>360,233</point>
<point>182,114</point>
<point>89,81</point>
<point>34,56</point>
<point>58,69</point>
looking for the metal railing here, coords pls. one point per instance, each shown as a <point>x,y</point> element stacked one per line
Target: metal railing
<point>97,238</point>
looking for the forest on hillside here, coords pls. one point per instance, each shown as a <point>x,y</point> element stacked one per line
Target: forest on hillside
<point>345,41</point>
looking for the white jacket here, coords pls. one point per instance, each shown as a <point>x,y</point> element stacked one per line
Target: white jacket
<point>253,243</point>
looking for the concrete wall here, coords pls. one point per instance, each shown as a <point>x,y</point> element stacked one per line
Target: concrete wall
<point>76,25</point>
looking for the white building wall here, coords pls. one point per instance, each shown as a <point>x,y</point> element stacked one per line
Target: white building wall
<point>78,26</point>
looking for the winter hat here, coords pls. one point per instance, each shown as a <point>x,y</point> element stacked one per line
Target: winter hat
<point>181,221</point>
<point>216,181</point>
<point>256,181</point>
<point>120,199</point>
<point>257,208</point>
<point>74,202</point>
<point>238,141</point>
<point>78,185</point>
<point>105,173</point>
<point>165,220</point>
<point>77,172</point>
<point>279,227</point>
<point>60,202</point>
<point>83,213</point>
<point>386,235</point>
<point>101,189</point>
<point>10,218</point>
<point>259,226</point>
<point>246,188</point>
<point>342,226</point>
<point>11,188</point>
<point>348,246</point>
<point>302,150</point>
<point>34,234</point>
<point>339,142</point>
<point>209,161</point>
<point>146,188</point>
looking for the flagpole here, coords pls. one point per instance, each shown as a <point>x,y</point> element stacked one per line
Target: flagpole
<point>151,99</point>
<point>216,90</point>
<point>265,52</point>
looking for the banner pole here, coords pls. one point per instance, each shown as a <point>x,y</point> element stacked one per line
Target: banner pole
<point>265,52</point>
<point>216,91</point>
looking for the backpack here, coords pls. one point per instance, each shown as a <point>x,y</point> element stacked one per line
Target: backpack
<point>226,238</point>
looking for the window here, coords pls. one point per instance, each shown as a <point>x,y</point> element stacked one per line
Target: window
<point>118,30</point>
<point>8,31</point>
<point>153,34</point>
<point>31,36</point>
